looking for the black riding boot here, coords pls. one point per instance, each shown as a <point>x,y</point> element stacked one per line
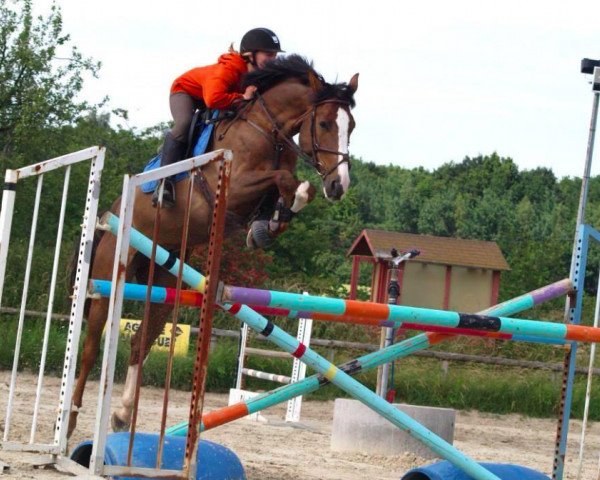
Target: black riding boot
<point>172,151</point>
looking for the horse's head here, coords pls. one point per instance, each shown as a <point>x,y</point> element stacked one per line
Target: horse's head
<point>325,133</point>
<point>292,99</point>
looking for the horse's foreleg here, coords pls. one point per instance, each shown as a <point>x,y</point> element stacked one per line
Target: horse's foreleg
<point>303,195</point>
<point>289,204</point>
<point>293,197</point>
<point>293,193</point>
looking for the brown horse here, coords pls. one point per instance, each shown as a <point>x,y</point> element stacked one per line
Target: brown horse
<point>293,99</point>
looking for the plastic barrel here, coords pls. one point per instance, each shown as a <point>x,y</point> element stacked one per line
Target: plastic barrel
<point>447,471</point>
<point>215,462</point>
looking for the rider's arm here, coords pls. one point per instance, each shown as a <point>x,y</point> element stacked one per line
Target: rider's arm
<point>219,89</point>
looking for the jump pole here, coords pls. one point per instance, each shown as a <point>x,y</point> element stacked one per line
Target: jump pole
<point>353,367</point>
<point>405,317</point>
<point>406,347</point>
<point>372,360</point>
<point>344,381</point>
<point>193,298</point>
<point>526,327</point>
<point>335,376</point>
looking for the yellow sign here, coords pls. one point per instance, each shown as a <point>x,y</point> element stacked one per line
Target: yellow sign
<point>163,342</point>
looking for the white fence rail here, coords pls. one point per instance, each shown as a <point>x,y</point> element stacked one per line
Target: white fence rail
<point>95,156</point>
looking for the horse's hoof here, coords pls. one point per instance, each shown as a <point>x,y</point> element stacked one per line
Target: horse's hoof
<point>250,245</point>
<point>260,234</point>
<point>117,424</point>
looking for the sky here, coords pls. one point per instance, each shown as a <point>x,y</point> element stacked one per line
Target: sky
<point>438,80</point>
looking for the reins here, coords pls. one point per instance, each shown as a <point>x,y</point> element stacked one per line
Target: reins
<point>278,137</point>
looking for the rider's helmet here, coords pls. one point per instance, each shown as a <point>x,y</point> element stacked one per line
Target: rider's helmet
<point>260,39</point>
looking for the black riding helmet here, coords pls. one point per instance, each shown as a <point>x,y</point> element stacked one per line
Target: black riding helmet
<point>260,39</point>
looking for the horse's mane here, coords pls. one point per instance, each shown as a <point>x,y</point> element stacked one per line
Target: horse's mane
<point>296,67</point>
<point>336,91</point>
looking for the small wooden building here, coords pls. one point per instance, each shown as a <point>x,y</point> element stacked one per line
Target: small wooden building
<point>449,274</point>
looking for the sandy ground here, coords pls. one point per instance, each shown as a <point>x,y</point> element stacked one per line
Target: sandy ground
<point>277,451</point>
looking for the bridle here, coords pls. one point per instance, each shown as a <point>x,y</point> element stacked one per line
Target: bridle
<point>316,148</point>
<point>280,140</point>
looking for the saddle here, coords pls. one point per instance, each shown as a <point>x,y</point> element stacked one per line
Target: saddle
<point>199,136</point>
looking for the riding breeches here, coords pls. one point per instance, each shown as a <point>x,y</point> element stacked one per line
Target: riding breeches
<point>182,108</point>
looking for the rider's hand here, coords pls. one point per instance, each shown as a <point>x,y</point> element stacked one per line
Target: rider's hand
<point>249,92</point>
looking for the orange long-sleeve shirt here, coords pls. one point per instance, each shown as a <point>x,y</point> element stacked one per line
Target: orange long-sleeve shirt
<point>218,85</point>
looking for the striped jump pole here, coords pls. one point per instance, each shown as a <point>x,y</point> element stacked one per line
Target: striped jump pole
<point>398,316</point>
<point>273,377</point>
<point>344,381</point>
<point>339,378</point>
<point>193,298</point>
<point>372,360</point>
<point>164,258</point>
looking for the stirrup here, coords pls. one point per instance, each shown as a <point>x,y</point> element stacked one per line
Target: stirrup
<point>168,194</point>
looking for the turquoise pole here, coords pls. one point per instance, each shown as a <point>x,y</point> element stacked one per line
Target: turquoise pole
<point>399,316</point>
<point>164,258</point>
<point>133,291</point>
<point>344,381</point>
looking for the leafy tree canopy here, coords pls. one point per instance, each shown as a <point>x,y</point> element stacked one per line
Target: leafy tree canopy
<point>40,74</point>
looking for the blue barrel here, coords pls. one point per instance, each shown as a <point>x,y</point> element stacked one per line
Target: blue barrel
<point>447,471</point>
<point>215,462</point>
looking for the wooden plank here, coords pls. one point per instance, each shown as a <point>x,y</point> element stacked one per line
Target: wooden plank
<point>267,353</point>
<point>33,313</point>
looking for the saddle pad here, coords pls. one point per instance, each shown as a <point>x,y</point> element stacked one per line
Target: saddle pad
<point>198,149</point>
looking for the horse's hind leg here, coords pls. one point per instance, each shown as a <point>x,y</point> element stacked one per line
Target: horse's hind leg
<point>159,313</point>
<point>96,318</point>
<point>95,324</point>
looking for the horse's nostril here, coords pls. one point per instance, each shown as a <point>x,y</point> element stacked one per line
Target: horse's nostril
<point>335,190</point>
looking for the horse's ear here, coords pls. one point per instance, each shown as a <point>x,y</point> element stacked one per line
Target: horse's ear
<point>315,83</point>
<point>353,84</point>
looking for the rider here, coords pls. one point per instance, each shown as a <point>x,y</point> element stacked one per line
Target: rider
<point>215,86</point>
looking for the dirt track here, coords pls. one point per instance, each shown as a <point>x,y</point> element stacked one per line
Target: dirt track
<point>273,451</point>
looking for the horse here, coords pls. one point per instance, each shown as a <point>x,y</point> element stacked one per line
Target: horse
<point>292,98</point>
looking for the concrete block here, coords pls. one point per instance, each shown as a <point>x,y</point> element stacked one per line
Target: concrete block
<point>357,428</point>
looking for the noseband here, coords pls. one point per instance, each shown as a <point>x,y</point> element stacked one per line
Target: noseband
<point>277,134</point>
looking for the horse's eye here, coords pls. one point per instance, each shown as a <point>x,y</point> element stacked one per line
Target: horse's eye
<point>324,125</point>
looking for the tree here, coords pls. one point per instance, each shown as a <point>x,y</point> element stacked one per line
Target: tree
<point>437,215</point>
<point>38,88</point>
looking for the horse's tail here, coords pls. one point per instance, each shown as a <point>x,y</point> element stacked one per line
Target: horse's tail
<point>72,268</point>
